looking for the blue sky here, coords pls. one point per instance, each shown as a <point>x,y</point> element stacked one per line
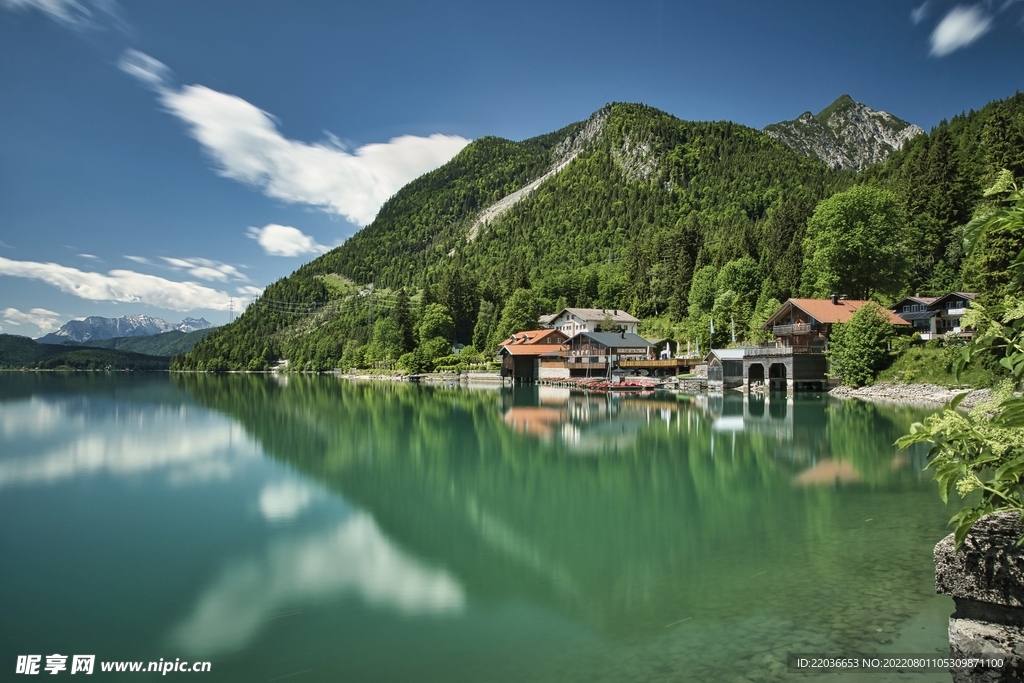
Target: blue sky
<point>173,158</point>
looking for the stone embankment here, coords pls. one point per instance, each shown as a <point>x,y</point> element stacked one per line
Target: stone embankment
<point>929,394</point>
<point>985,578</point>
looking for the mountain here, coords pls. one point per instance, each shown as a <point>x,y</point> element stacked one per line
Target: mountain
<point>165,344</point>
<point>96,327</point>
<point>845,134</point>
<point>22,352</point>
<point>674,221</point>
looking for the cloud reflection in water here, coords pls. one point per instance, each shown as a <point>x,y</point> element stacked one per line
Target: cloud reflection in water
<point>353,558</point>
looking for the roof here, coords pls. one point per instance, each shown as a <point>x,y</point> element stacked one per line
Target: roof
<point>918,315</point>
<point>528,337</point>
<point>970,296</point>
<point>924,300</point>
<point>824,311</point>
<point>617,339</point>
<point>532,349</point>
<point>547,318</point>
<point>599,314</point>
<point>726,354</point>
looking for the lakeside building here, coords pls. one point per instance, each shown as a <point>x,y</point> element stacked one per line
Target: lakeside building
<point>572,321</point>
<point>796,360</point>
<point>534,354</point>
<point>933,317</point>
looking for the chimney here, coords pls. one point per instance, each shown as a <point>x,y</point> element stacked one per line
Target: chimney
<point>835,299</point>
<point>917,295</point>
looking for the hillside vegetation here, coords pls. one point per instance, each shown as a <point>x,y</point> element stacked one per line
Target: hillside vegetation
<point>674,221</point>
<point>22,352</point>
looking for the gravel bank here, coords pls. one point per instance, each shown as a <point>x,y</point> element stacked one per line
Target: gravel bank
<point>927,394</point>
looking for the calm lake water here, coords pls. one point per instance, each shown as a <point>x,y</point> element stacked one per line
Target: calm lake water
<point>312,529</point>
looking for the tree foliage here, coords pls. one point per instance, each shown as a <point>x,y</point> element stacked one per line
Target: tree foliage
<point>859,348</point>
<point>855,245</point>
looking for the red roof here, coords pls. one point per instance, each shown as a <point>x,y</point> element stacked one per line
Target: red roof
<point>535,342</point>
<point>530,337</point>
<point>824,311</point>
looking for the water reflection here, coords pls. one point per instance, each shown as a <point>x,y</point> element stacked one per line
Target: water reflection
<point>685,508</point>
<point>295,572</point>
<point>54,437</point>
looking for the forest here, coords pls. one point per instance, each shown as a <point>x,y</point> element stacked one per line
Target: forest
<point>676,222</point>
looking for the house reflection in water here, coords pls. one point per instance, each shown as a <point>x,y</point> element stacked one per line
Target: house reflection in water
<point>589,422</point>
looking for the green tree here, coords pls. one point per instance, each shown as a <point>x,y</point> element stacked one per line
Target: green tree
<point>702,291</point>
<point>401,314</point>
<point>387,342</point>
<point>855,245</point>
<point>859,348</point>
<point>436,322</point>
<point>520,314</point>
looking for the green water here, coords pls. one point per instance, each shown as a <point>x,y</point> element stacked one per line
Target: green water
<point>311,529</point>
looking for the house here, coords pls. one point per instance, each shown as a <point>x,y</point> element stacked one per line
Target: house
<point>725,368</point>
<point>807,323</point>
<point>534,354</point>
<point>801,328</point>
<point>934,317</point>
<point>596,354</point>
<point>917,311</point>
<point>572,321</point>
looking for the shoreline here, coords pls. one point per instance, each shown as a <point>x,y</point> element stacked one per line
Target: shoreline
<point>913,394</point>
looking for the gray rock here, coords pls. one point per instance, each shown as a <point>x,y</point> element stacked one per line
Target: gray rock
<point>989,567</point>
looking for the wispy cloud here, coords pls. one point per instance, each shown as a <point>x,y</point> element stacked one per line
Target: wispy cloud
<point>40,318</point>
<point>120,285</point>
<point>91,257</point>
<point>919,14</point>
<point>139,259</point>
<point>961,27</point>
<point>284,240</point>
<point>205,269</point>
<point>65,11</point>
<point>92,14</point>
<point>245,144</point>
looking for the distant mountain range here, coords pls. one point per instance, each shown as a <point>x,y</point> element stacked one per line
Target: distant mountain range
<point>95,328</point>
<point>845,134</point>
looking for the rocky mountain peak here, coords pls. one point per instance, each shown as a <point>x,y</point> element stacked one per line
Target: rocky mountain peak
<point>845,134</point>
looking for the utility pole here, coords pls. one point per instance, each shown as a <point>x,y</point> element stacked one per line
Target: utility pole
<point>231,309</point>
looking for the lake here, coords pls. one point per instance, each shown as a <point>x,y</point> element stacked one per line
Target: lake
<point>304,528</point>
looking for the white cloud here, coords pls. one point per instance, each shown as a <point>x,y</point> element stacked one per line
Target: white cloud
<point>151,72</point>
<point>918,14</point>
<point>205,269</point>
<point>44,320</point>
<point>120,285</point>
<point>246,145</point>
<point>91,257</point>
<point>961,27</point>
<point>140,259</point>
<point>354,558</point>
<point>284,240</point>
<point>249,291</point>
<point>64,11</point>
<point>284,500</point>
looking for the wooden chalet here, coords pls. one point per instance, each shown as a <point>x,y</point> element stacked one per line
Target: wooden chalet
<point>528,356</point>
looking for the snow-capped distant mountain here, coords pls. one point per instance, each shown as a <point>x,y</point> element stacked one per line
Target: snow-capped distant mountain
<point>97,327</point>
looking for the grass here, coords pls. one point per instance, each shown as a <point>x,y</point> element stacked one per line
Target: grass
<point>930,366</point>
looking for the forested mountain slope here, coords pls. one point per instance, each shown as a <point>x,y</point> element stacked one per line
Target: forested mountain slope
<point>662,217</point>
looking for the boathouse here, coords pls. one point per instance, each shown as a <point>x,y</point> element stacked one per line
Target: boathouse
<point>534,354</point>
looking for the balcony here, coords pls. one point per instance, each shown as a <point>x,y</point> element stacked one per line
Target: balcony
<point>793,329</point>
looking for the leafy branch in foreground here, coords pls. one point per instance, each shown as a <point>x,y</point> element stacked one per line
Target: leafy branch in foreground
<point>984,450</point>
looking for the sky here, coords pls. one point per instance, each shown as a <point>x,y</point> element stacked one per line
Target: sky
<point>174,157</point>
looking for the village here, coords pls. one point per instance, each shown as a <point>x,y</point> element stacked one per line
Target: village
<point>601,348</point>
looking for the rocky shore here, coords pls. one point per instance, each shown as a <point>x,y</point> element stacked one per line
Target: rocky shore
<point>925,394</point>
